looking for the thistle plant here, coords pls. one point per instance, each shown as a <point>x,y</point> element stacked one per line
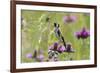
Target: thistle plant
<point>83,34</point>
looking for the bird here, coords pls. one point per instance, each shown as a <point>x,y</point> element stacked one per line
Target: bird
<point>56,30</point>
<point>58,34</point>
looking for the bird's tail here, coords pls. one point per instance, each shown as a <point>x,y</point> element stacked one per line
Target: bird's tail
<point>64,43</point>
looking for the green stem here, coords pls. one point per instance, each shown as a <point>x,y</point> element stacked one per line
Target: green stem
<point>83,49</point>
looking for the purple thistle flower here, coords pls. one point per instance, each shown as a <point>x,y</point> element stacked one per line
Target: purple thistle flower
<point>78,35</point>
<point>69,48</point>
<point>73,18</point>
<point>40,58</point>
<point>55,45</point>
<point>83,34</point>
<point>69,18</point>
<point>61,49</point>
<point>65,19</point>
<point>29,55</point>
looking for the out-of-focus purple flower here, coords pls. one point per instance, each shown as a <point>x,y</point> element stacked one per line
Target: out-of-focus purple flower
<point>65,19</point>
<point>29,55</point>
<point>73,18</point>
<point>83,34</point>
<point>40,58</point>
<point>69,18</point>
<point>61,49</point>
<point>69,48</point>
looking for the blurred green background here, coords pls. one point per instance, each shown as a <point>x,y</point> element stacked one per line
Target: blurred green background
<point>36,33</point>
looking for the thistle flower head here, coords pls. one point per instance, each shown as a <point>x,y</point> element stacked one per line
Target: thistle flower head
<point>78,35</point>
<point>73,18</point>
<point>55,46</point>
<point>29,55</point>
<point>69,18</point>
<point>61,49</point>
<point>40,58</point>
<point>69,48</point>
<point>83,34</point>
